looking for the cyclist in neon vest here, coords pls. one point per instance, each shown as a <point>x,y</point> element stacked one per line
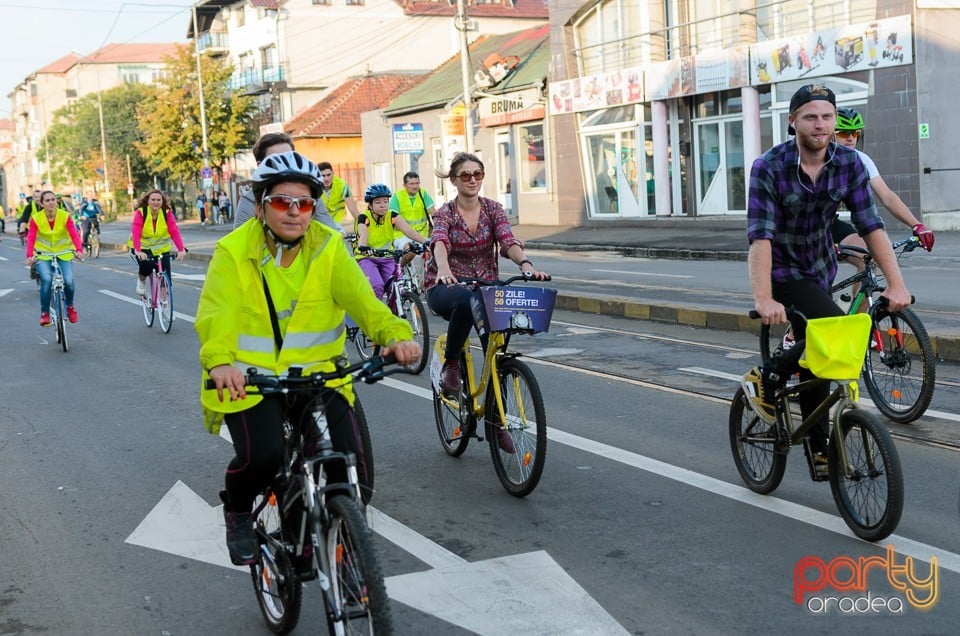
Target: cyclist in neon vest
<point>153,228</point>
<point>49,231</point>
<point>336,195</point>
<point>416,207</point>
<point>375,229</point>
<point>274,297</point>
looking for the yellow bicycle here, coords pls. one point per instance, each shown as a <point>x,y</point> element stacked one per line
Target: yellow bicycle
<point>505,393</point>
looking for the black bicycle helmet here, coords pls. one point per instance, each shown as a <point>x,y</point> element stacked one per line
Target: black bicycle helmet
<point>376,191</point>
<point>286,166</point>
<point>849,119</point>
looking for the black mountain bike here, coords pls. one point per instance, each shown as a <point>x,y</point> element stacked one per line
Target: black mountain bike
<point>309,529</point>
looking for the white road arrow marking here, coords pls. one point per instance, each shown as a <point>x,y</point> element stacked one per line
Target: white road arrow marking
<point>4,292</point>
<point>182,523</point>
<point>532,593</point>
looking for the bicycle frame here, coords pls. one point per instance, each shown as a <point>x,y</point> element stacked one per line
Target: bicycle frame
<point>496,347</point>
<point>845,395</point>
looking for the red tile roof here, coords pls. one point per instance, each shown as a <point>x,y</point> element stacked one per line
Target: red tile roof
<point>517,9</point>
<point>338,114</point>
<point>265,4</point>
<point>131,53</point>
<point>60,66</point>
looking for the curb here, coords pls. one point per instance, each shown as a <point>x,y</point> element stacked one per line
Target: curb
<point>643,252</point>
<point>946,347</point>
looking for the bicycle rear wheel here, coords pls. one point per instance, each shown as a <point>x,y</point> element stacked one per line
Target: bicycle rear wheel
<point>279,591</point>
<point>165,302</point>
<point>869,492</point>
<point>365,472</point>
<point>524,432</point>
<point>147,302</point>
<point>900,370</point>
<point>454,415</point>
<point>753,442</point>
<point>415,314</point>
<point>357,586</point>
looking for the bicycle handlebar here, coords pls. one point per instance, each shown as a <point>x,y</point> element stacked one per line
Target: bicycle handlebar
<point>370,371</point>
<point>908,244</point>
<point>412,248</point>
<point>479,282</point>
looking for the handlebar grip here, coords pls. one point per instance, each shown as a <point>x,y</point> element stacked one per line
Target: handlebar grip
<point>754,314</point>
<point>209,385</point>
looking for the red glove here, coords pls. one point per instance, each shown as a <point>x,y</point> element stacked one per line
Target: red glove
<point>926,236</point>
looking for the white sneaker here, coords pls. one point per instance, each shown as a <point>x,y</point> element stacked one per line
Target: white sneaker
<point>141,287</point>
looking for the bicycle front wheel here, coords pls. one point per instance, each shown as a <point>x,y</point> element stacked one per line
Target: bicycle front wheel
<point>95,244</point>
<point>147,302</point>
<point>363,344</point>
<point>518,445</point>
<point>279,590</point>
<point>61,320</point>
<point>869,490</point>
<point>365,472</point>
<point>415,314</point>
<point>360,598</point>
<point>900,369</point>
<point>753,442</point>
<point>165,302</point>
<point>455,419</point>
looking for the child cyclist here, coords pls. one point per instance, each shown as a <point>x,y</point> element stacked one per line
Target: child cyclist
<point>274,298</point>
<point>375,229</point>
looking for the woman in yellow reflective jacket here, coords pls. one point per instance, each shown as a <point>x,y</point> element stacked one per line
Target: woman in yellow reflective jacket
<point>312,280</point>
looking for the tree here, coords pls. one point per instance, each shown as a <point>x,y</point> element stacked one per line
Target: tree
<point>171,122</point>
<point>74,141</point>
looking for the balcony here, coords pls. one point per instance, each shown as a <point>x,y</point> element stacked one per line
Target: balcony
<point>255,81</point>
<point>214,43</point>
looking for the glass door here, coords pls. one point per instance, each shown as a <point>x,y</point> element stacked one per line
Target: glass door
<point>504,174</point>
<point>721,175</point>
<point>612,173</point>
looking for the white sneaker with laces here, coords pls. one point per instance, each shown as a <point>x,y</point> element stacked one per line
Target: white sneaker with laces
<point>141,287</point>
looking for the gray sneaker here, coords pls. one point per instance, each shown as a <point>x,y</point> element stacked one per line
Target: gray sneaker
<point>241,541</point>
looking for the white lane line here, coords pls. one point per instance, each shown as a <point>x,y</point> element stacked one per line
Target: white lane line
<point>620,271</point>
<point>822,520</point>
<point>943,415</point>
<point>136,301</point>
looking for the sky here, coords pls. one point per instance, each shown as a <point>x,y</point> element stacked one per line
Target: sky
<point>38,32</point>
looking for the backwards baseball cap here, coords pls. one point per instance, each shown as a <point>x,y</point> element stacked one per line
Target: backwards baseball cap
<point>809,93</point>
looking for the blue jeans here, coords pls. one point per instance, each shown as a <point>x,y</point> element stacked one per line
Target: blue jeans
<point>45,269</point>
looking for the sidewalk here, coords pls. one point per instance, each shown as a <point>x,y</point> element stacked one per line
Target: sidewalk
<point>702,239</point>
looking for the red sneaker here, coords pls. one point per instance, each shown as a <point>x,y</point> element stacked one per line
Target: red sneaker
<point>72,314</point>
<point>44,319</point>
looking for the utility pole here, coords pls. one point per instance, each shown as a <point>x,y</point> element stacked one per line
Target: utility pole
<point>206,175</point>
<point>461,23</point>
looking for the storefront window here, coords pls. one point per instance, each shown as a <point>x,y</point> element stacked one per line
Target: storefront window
<point>533,168</point>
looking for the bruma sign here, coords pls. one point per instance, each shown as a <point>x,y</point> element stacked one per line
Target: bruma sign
<point>510,108</point>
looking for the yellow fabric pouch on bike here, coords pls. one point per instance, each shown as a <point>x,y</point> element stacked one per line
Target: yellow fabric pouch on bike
<point>836,346</point>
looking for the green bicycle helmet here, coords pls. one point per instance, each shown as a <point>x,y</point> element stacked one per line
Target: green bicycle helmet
<point>849,119</point>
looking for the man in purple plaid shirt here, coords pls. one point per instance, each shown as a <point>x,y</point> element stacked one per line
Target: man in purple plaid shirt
<point>795,190</point>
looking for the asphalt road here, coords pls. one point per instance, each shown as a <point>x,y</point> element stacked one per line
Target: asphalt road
<point>109,524</point>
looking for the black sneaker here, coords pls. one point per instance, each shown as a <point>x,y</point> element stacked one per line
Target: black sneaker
<point>241,541</point>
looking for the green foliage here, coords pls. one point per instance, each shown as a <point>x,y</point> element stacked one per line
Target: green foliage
<point>174,140</point>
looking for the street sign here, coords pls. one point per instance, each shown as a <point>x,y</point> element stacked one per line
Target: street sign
<point>924,131</point>
<point>130,189</point>
<point>207,182</point>
<point>206,173</point>
<point>408,139</point>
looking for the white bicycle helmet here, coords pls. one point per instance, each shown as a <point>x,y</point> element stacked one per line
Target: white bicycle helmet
<point>286,166</point>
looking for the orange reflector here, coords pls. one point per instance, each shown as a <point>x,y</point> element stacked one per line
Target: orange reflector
<point>456,432</point>
<point>339,553</point>
<point>897,394</point>
<point>527,458</point>
<point>273,499</point>
<point>891,331</point>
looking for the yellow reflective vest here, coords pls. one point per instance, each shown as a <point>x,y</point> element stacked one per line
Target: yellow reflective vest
<point>233,318</point>
<point>414,213</point>
<point>336,204</point>
<point>51,240</point>
<point>156,239</point>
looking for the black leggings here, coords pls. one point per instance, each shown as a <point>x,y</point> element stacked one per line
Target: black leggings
<point>146,266</point>
<point>808,298</point>
<point>257,435</point>
<point>452,303</point>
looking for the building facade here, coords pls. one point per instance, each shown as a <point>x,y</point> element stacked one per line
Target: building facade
<point>660,108</point>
